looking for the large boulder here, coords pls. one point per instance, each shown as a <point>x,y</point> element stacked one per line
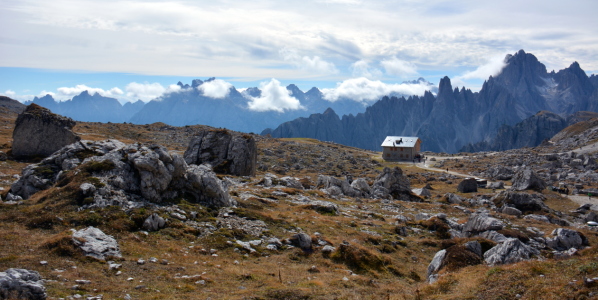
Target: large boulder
<point>510,251</point>
<point>227,152</point>
<point>95,243</point>
<point>527,179</point>
<point>564,239</point>
<point>21,284</point>
<point>39,132</point>
<point>499,172</point>
<point>522,201</point>
<point>126,174</point>
<point>480,221</point>
<point>392,182</point>
<point>468,185</point>
<point>154,223</point>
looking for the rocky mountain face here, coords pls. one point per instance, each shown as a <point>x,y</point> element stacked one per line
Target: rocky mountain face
<point>454,118</point>
<point>530,132</point>
<point>527,133</point>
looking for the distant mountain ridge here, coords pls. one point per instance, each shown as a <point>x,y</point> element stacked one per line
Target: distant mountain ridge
<point>455,118</point>
<point>91,108</point>
<point>191,106</point>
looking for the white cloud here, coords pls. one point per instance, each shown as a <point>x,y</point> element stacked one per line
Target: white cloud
<point>310,64</point>
<point>492,68</point>
<point>9,93</point>
<point>361,68</point>
<point>274,97</point>
<point>148,91</point>
<point>65,93</point>
<point>399,68</point>
<point>216,88</point>
<point>365,90</point>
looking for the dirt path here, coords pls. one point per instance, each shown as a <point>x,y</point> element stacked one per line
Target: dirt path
<point>581,200</point>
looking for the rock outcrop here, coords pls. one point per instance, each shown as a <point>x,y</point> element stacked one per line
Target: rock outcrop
<point>21,284</point>
<point>125,175</point>
<point>95,243</point>
<point>524,202</point>
<point>527,179</point>
<point>510,251</point>
<point>481,221</point>
<point>392,182</point>
<point>154,222</point>
<point>527,133</point>
<point>227,152</point>
<point>39,132</point>
<point>564,239</point>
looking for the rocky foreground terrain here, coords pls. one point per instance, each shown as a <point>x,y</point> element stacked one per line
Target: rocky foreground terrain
<point>162,212</point>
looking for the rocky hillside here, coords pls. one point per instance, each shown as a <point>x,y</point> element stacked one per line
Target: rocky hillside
<point>454,118</point>
<point>133,219</point>
<point>530,132</point>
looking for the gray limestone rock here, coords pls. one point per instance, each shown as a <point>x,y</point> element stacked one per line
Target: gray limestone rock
<point>361,185</point>
<point>475,247</point>
<point>511,211</point>
<point>493,236</point>
<point>480,222</point>
<point>541,218</point>
<point>154,223</point>
<point>39,132</point>
<point>21,284</point>
<point>129,173</point>
<point>522,201</point>
<point>436,263</point>
<point>510,251</point>
<point>453,199</point>
<point>422,192</point>
<point>565,239</point>
<point>96,243</point>
<point>468,185</point>
<point>228,152</point>
<point>527,179</point>
<point>291,182</point>
<point>392,182</point>
<point>302,241</point>
<point>496,185</point>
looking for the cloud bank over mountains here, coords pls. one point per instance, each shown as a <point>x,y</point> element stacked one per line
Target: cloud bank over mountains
<point>303,39</point>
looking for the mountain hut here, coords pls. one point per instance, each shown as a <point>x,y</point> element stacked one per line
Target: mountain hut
<point>396,148</point>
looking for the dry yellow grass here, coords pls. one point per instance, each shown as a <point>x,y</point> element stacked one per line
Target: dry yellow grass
<point>379,264</point>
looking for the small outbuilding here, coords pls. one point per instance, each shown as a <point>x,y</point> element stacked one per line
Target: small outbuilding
<point>401,148</point>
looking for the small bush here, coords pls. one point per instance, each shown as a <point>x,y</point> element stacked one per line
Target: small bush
<point>99,166</point>
<point>360,260</point>
<point>44,221</point>
<point>61,244</point>
<point>458,257</point>
<point>438,226</point>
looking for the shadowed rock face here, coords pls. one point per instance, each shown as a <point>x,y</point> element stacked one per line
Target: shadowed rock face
<point>39,132</point>
<point>227,152</point>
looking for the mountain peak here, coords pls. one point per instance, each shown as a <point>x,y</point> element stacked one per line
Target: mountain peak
<point>445,85</point>
<point>195,83</point>
<point>329,111</point>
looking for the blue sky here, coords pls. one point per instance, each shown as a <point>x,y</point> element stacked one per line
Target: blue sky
<point>136,49</point>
